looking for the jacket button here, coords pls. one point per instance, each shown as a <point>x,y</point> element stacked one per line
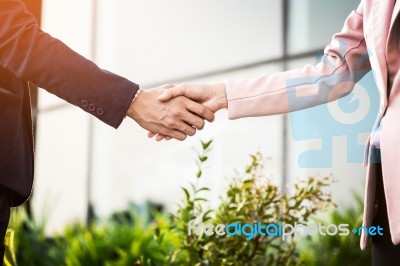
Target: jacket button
<point>84,103</point>
<point>91,107</point>
<point>100,111</point>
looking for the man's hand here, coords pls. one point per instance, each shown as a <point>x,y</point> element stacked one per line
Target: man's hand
<point>178,118</point>
<point>212,96</point>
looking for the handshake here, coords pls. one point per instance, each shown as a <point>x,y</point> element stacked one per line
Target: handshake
<point>175,112</point>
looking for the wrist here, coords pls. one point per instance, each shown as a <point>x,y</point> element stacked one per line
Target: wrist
<point>220,91</point>
<point>132,110</point>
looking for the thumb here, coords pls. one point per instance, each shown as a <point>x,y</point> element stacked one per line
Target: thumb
<point>171,93</point>
<point>165,96</point>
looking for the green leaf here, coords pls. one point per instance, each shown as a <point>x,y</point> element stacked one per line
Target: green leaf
<point>206,144</point>
<point>186,193</point>
<point>203,158</point>
<point>206,215</point>
<point>203,189</point>
<point>200,199</point>
<point>199,173</point>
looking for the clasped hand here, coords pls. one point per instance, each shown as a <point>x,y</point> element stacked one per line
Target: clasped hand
<point>169,111</point>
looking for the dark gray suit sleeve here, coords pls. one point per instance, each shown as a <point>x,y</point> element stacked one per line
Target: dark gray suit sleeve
<point>35,56</point>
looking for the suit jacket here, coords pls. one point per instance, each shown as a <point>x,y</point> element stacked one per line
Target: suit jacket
<point>28,54</point>
<point>369,30</point>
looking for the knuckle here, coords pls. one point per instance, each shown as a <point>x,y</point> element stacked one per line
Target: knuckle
<point>176,113</point>
<point>171,123</point>
<point>181,114</point>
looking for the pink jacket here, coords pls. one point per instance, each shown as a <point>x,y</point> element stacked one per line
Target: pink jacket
<point>367,31</point>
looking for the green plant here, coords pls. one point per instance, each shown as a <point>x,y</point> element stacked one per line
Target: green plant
<point>124,239</point>
<point>112,243</point>
<point>30,245</point>
<point>251,198</point>
<point>338,250</point>
<point>133,239</point>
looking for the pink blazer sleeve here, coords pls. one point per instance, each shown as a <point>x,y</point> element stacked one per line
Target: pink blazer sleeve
<point>345,61</point>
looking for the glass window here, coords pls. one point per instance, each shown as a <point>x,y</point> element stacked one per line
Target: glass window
<point>158,41</point>
<point>313,22</point>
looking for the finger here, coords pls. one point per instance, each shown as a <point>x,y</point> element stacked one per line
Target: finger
<point>186,129</point>
<point>160,137</point>
<point>179,124</point>
<point>200,110</point>
<point>194,120</point>
<point>151,134</point>
<point>171,93</point>
<point>172,133</point>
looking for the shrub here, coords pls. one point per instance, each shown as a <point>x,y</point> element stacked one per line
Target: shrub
<point>125,239</point>
<point>161,239</point>
<point>250,198</point>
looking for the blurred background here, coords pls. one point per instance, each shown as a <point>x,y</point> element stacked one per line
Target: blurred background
<point>85,167</point>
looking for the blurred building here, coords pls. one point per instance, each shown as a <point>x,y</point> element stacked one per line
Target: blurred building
<point>79,159</point>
